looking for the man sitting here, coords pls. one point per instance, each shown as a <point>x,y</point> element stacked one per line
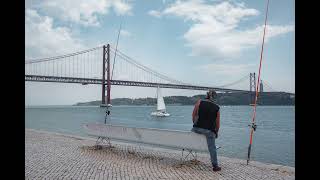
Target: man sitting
<point>206,121</point>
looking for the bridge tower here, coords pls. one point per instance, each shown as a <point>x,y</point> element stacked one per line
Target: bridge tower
<point>260,92</point>
<point>252,87</point>
<point>261,87</point>
<point>106,51</point>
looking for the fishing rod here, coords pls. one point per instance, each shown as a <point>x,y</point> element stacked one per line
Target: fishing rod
<point>114,59</point>
<point>253,123</point>
<point>115,52</point>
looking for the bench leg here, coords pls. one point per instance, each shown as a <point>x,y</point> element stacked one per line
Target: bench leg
<point>181,159</point>
<point>101,140</point>
<point>193,153</point>
<point>108,141</point>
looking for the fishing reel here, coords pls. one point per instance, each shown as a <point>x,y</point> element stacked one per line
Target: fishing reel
<point>107,112</point>
<point>253,126</point>
<point>108,109</point>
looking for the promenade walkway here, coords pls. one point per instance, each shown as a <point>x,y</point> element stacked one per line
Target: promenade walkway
<point>59,156</point>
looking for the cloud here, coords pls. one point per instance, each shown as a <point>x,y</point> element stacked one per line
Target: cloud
<point>46,36</point>
<point>228,44</point>
<point>125,33</point>
<point>42,39</point>
<point>215,27</point>
<point>155,13</point>
<point>82,12</point>
<point>121,7</point>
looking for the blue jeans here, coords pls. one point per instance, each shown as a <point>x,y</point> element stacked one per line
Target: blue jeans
<point>211,143</point>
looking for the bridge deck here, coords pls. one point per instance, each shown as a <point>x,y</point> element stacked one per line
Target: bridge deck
<point>60,79</point>
<point>85,81</point>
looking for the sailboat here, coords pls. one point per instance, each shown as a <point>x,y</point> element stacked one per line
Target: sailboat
<point>161,107</point>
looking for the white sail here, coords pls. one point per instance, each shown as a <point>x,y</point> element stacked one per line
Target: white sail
<point>161,107</point>
<point>160,102</point>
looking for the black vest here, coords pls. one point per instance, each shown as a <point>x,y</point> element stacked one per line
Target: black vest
<point>207,115</point>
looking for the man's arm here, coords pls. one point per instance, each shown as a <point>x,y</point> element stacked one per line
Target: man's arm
<point>195,111</point>
<point>218,121</point>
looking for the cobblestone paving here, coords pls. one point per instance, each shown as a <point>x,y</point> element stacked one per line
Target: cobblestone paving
<point>58,156</point>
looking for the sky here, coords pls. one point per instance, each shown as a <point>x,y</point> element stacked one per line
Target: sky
<point>210,43</point>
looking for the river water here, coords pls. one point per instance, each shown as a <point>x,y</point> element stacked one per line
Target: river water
<point>273,141</point>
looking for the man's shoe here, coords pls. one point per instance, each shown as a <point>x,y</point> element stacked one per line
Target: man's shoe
<point>216,168</point>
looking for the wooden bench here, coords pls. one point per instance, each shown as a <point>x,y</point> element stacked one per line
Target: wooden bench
<point>174,139</point>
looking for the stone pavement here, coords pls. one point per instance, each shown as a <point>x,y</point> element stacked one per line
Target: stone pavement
<point>58,156</point>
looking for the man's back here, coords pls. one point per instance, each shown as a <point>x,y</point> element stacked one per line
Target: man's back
<point>207,115</point>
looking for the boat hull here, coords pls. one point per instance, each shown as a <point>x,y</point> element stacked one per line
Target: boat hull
<point>160,114</point>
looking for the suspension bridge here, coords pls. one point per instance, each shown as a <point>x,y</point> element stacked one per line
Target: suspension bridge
<point>95,66</point>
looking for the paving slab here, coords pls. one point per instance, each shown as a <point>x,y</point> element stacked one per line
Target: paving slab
<point>51,155</point>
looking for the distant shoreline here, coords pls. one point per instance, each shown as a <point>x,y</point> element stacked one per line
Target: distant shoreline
<point>223,99</point>
<point>74,105</point>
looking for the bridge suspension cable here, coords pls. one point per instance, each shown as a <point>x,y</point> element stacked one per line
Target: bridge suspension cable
<point>265,83</point>
<point>30,61</point>
<point>235,82</point>
<point>88,63</point>
<point>81,64</point>
<point>144,68</point>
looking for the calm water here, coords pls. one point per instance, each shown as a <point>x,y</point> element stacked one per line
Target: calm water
<point>273,142</point>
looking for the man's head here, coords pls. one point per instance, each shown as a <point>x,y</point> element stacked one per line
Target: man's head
<point>211,94</point>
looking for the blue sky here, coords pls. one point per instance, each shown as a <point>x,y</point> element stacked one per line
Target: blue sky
<point>199,42</point>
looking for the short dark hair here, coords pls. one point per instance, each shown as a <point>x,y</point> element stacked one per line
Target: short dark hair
<point>211,93</point>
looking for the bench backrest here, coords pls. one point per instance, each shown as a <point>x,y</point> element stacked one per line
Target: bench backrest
<point>161,137</point>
